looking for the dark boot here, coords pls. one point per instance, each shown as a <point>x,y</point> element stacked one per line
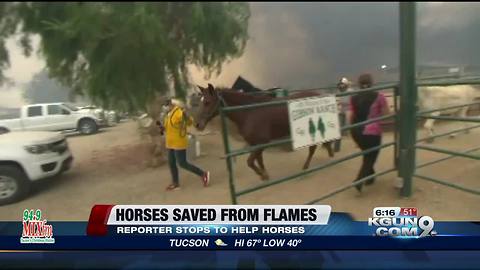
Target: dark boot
<point>370,181</point>
<point>358,186</point>
<point>337,146</point>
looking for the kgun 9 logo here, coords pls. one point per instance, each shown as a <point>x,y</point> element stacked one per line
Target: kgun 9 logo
<point>403,226</point>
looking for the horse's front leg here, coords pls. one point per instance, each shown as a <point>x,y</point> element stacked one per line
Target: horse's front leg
<point>311,151</point>
<point>328,146</point>
<point>264,174</point>
<point>251,163</point>
<point>463,114</point>
<point>429,128</point>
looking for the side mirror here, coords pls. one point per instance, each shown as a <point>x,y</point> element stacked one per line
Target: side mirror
<point>65,112</point>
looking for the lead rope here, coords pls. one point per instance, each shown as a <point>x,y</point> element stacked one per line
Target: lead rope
<point>183,124</point>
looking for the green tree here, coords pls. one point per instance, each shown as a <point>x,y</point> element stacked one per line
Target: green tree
<point>321,126</point>
<point>123,54</point>
<point>8,23</point>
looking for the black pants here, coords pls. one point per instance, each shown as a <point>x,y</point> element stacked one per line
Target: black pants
<point>366,142</point>
<point>181,157</point>
<point>342,117</point>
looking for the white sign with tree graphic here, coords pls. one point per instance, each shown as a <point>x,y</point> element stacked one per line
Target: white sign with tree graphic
<point>313,121</point>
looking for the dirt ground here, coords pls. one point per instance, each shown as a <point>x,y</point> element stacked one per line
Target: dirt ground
<point>109,169</point>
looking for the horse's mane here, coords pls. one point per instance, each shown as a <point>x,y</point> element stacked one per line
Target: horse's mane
<point>246,86</point>
<point>242,97</point>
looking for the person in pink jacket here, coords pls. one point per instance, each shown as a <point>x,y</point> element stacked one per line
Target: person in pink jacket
<point>365,106</point>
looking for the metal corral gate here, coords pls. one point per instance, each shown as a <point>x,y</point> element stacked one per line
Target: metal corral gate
<point>405,120</point>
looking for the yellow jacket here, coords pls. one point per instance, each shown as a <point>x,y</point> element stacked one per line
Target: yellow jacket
<point>176,129</point>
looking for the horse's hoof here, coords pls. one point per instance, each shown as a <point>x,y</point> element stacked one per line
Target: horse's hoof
<point>265,177</point>
<point>452,136</point>
<point>370,181</point>
<point>359,187</point>
<point>398,183</point>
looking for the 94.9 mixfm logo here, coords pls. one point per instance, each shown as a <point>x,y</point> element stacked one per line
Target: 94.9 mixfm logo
<point>35,229</point>
<point>401,222</point>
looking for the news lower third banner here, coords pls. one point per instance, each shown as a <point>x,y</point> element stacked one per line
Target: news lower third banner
<point>237,227</point>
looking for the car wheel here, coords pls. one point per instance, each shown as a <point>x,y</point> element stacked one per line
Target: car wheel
<point>87,126</point>
<point>3,130</point>
<point>14,184</point>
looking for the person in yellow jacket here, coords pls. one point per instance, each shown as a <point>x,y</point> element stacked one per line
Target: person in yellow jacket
<point>174,127</point>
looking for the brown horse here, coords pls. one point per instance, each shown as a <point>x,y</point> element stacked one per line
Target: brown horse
<point>256,126</point>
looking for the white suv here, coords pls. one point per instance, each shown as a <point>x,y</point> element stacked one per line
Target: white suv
<point>28,156</point>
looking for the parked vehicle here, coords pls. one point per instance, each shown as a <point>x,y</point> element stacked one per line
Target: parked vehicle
<point>52,117</point>
<point>108,117</point>
<point>29,156</point>
<point>111,117</point>
<point>99,113</point>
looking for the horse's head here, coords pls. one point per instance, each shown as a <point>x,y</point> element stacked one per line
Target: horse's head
<point>208,107</point>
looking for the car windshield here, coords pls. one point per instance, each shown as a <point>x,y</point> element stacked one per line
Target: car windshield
<point>71,107</point>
